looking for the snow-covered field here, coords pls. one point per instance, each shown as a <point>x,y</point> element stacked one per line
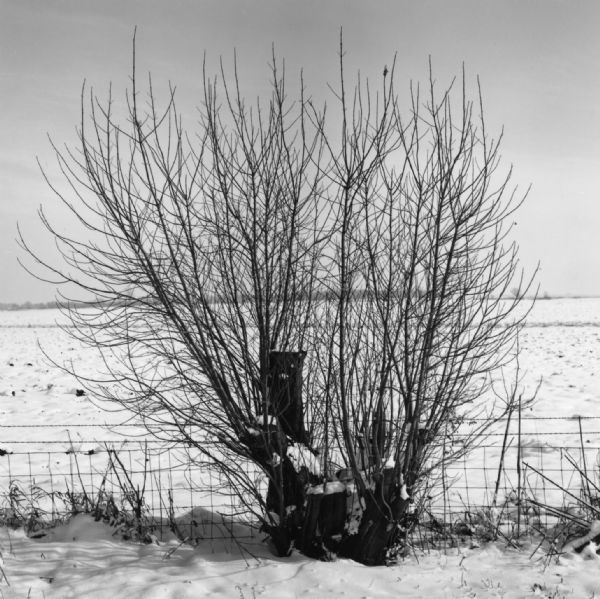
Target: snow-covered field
<point>83,560</point>
<point>45,424</point>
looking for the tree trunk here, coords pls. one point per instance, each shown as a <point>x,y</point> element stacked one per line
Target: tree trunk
<point>385,509</point>
<point>315,522</point>
<point>285,393</point>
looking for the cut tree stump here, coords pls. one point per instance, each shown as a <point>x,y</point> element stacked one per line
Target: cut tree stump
<point>324,521</point>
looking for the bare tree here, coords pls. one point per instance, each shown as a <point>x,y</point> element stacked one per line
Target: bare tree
<point>322,301</point>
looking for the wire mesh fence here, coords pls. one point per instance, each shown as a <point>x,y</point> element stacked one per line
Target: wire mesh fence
<point>64,470</point>
<point>527,454</point>
<point>49,472</point>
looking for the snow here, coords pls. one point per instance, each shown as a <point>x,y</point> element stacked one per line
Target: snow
<point>328,488</point>
<point>404,493</point>
<point>83,558</point>
<point>591,547</point>
<point>300,456</point>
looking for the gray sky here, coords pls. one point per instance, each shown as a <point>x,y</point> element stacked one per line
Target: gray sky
<point>538,60</point>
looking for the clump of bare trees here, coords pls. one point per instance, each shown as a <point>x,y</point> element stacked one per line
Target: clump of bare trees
<point>316,293</point>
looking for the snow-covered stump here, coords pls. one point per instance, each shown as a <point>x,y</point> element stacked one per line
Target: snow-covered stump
<point>305,509</point>
<point>320,518</point>
<point>325,517</point>
<point>366,528</point>
<point>385,508</point>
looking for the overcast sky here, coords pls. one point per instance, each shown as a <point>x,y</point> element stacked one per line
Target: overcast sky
<point>538,60</point>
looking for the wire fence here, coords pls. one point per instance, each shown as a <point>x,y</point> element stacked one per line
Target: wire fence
<point>48,472</point>
<point>172,486</point>
<point>515,450</point>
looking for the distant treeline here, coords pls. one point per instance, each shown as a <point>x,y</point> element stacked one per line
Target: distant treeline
<point>46,305</point>
<point>29,306</point>
<point>319,295</point>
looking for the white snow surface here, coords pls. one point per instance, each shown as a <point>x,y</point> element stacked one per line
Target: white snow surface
<point>85,559</point>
